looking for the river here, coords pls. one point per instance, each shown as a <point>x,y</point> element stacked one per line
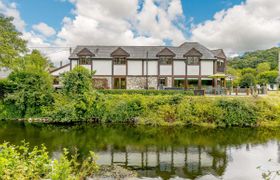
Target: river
<point>161,153</point>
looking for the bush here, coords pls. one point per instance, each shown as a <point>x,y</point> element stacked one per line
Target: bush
<point>22,162</point>
<point>32,91</point>
<point>149,92</point>
<point>237,112</point>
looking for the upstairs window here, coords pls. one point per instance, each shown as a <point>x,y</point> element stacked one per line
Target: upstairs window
<point>193,60</point>
<point>165,60</point>
<point>85,61</point>
<point>119,60</point>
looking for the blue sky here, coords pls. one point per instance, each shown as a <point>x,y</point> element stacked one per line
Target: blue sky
<point>53,11</point>
<point>237,26</point>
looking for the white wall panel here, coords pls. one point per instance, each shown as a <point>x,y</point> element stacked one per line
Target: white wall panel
<point>119,69</point>
<point>134,67</point>
<point>74,63</point>
<point>179,68</point>
<point>102,67</point>
<point>165,70</point>
<point>193,70</point>
<point>152,68</point>
<point>206,67</point>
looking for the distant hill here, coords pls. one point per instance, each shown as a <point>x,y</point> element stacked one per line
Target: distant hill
<point>252,59</point>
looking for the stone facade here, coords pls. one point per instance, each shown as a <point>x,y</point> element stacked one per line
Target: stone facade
<point>102,82</point>
<point>153,82</point>
<point>169,81</point>
<point>136,82</point>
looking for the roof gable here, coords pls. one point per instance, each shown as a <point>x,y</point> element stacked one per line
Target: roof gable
<point>166,52</point>
<point>193,52</point>
<point>219,53</point>
<point>120,52</point>
<point>85,52</point>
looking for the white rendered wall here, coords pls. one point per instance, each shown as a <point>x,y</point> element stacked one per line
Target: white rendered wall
<point>165,70</point>
<point>152,68</point>
<point>179,68</point>
<point>207,67</point>
<point>87,67</point>
<point>74,63</point>
<point>134,67</point>
<point>120,70</point>
<point>193,70</point>
<point>102,67</point>
<point>60,71</point>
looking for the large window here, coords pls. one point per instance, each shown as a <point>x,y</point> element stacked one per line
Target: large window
<point>165,60</point>
<point>162,82</point>
<point>179,83</point>
<point>85,61</point>
<point>193,60</point>
<point>119,60</point>
<point>119,83</point>
<point>193,83</point>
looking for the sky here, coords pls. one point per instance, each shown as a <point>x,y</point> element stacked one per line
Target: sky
<point>237,26</point>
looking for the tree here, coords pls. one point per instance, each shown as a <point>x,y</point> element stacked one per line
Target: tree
<point>247,80</point>
<point>262,67</point>
<point>77,82</point>
<point>267,77</point>
<point>33,61</point>
<point>11,44</point>
<point>32,91</point>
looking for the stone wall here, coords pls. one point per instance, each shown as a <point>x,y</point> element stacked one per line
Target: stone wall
<point>102,82</point>
<point>153,82</point>
<point>136,82</point>
<point>169,81</point>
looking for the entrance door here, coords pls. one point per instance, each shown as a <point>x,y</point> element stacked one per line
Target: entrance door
<point>120,83</point>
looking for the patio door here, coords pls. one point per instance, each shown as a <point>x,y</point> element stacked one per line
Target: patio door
<point>120,83</point>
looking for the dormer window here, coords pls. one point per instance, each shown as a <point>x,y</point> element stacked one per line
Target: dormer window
<point>119,60</point>
<point>85,60</point>
<point>193,60</point>
<point>85,56</point>
<point>165,60</point>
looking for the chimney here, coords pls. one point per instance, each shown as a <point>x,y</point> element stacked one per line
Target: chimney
<point>60,63</point>
<point>279,64</point>
<point>70,50</point>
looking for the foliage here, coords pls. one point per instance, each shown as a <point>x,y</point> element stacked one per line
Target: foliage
<point>77,81</point>
<point>267,77</point>
<point>5,87</point>
<point>263,67</point>
<point>253,59</point>
<point>23,162</point>
<point>32,91</point>
<point>247,80</point>
<point>147,92</point>
<point>12,45</point>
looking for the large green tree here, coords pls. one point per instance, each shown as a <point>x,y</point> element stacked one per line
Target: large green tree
<point>77,82</point>
<point>11,43</point>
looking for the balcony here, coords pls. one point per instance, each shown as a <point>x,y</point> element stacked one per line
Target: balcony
<point>221,69</point>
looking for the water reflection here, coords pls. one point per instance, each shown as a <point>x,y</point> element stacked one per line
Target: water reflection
<point>159,152</point>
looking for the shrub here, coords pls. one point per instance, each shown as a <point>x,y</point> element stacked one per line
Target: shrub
<point>22,162</point>
<point>237,112</point>
<point>32,91</point>
<point>77,82</point>
<point>149,92</point>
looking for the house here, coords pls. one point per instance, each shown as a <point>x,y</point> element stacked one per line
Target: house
<point>189,65</point>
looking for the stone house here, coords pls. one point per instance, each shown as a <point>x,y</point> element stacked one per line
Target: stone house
<point>189,65</point>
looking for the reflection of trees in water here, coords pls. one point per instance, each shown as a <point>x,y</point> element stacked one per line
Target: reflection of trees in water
<point>189,162</point>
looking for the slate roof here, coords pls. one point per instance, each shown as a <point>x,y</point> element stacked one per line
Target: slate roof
<point>219,53</point>
<point>140,52</point>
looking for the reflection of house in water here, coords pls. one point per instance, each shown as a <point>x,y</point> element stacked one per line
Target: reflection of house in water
<point>187,162</point>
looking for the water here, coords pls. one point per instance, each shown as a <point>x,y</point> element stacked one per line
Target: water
<point>166,153</point>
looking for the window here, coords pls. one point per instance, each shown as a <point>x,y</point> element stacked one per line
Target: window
<point>120,61</point>
<point>85,61</point>
<point>193,60</point>
<point>119,83</point>
<point>165,60</point>
<point>193,83</point>
<point>162,82</point>
<point>179,83</point>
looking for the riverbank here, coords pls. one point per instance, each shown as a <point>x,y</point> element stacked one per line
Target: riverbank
<point>156,110</point>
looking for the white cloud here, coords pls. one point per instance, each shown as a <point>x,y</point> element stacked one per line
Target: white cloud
<point>249,26</point>
<point>44,29</point>
<point>115,22</point>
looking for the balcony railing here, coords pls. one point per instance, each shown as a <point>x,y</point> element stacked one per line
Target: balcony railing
<point>221,69</point>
